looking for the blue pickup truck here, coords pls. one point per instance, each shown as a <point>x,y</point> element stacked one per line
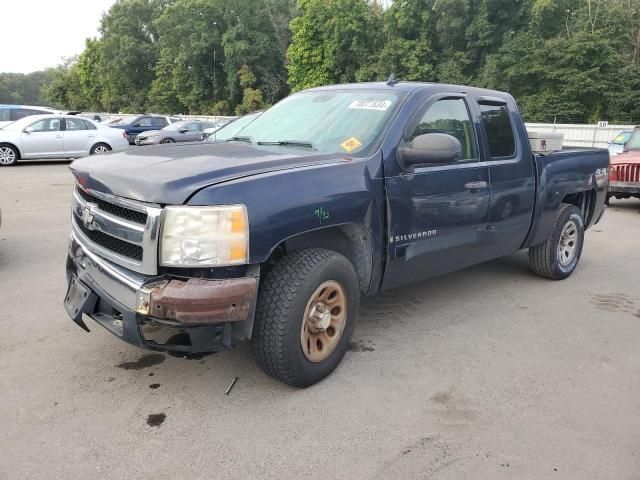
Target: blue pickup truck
<point>333,193</point>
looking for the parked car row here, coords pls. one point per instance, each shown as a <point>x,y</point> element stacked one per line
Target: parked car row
<point>56,136</point>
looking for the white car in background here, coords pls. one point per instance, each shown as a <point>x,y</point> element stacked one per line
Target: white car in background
<point>11,113</point>
<point>57,136</point>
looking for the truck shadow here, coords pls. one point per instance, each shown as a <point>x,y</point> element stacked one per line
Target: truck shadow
<point>626,205</point>
<point>39,163</point>
<point>420,308</point>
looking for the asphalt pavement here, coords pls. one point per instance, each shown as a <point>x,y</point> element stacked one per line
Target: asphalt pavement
<point>487,373</point>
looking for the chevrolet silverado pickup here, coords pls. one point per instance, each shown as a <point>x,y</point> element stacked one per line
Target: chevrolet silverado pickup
<point>333,193</point>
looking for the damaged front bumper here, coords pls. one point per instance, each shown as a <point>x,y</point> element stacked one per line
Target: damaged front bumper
<point>190,315</point>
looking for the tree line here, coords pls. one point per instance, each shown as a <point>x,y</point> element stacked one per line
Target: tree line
<point>564,60</point>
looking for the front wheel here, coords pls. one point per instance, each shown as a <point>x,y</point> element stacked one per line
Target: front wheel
<point>558,257</point>
<point>164,141</point>
<point>306,313</point>
<point>8,156</point>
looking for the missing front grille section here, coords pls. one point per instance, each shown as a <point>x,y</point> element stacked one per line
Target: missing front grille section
<point>126,213</point>
<point>113,244</point>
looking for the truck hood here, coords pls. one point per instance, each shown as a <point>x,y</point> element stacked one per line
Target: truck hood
<point>169,175</point>
<point>632,156</point>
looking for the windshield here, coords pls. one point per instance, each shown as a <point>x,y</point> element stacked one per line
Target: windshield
<point>621,138</point>
<point>329,121</point>
<point>634,141</point>
<point>231,129</point>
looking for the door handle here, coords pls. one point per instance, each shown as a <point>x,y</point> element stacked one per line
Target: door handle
<point>476,185</point>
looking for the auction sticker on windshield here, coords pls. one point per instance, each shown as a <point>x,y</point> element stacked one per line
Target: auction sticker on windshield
<point>380,105</point>
<point>350,144</point>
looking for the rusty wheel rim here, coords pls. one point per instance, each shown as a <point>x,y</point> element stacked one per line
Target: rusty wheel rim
<point>324,321</point>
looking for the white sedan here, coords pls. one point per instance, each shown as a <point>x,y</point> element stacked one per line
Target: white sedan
<point>57,136</point>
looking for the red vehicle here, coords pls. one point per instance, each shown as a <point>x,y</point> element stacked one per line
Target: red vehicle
<point>624,173</point>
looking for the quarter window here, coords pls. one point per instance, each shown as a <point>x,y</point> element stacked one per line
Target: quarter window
<point>449,116</point>
<point>497,125</point>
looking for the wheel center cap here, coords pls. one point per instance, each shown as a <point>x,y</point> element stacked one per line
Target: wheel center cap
<point>320,317</point>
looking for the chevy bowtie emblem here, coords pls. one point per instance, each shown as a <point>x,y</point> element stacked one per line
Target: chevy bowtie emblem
<point>87,217</point>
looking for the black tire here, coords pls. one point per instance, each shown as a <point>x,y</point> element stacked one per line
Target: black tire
<point>167,140</point>
<point>7,152</point>
<point>607,200</point>
<point>544,259</point>
<point>100,147</point>
<point>282,301</point>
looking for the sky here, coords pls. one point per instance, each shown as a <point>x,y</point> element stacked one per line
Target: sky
<point>37,34</point>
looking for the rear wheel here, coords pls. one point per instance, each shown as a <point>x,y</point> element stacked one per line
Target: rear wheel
<point>558,257</point>
<point>99,149</point>
<point>305,316</point>
<point>8,155</point>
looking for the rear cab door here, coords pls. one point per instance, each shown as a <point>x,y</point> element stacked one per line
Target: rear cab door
<point>511,174</point>
<point>437,214</point>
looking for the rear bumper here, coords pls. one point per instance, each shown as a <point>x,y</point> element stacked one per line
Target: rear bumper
<point>191,316</point>
<point>628,188</point>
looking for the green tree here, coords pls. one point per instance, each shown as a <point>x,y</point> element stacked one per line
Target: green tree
<point>129,53</point>
<point>331,41</point>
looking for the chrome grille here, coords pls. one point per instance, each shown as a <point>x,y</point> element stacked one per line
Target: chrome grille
<point>628,173</point>
<point>118,229</point>
<point>126,213</point>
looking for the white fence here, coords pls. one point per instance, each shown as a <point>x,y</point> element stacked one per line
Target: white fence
<point>581,135</point>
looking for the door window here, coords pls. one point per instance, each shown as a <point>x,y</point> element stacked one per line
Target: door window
<point>450,116</point>
<point>46,125</point>
<point>75,124</point>
<point>159,122</point>
<point>144,122</point>
<point>193,127</point>
<point>499,130</point>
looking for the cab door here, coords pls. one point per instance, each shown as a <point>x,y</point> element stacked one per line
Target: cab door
<point>437,214</point>
<point>43,139</point>
<point>511,172</point>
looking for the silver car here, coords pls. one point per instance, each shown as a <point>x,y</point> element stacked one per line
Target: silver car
<point>182,131</point>
<point>56,136</point>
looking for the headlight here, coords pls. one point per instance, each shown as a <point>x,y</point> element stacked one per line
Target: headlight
<point>204,236</point>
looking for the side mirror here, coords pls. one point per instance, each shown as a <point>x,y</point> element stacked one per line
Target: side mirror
<point>431,148</point>
<point>28,130</point>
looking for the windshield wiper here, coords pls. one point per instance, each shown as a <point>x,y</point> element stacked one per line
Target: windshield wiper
<point>243,139</point>
<point>293,143</point>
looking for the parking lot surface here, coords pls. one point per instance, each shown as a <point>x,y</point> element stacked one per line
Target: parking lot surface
<point>487,373</point>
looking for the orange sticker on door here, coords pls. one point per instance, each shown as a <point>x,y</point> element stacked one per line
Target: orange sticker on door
<point>351,144</point>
